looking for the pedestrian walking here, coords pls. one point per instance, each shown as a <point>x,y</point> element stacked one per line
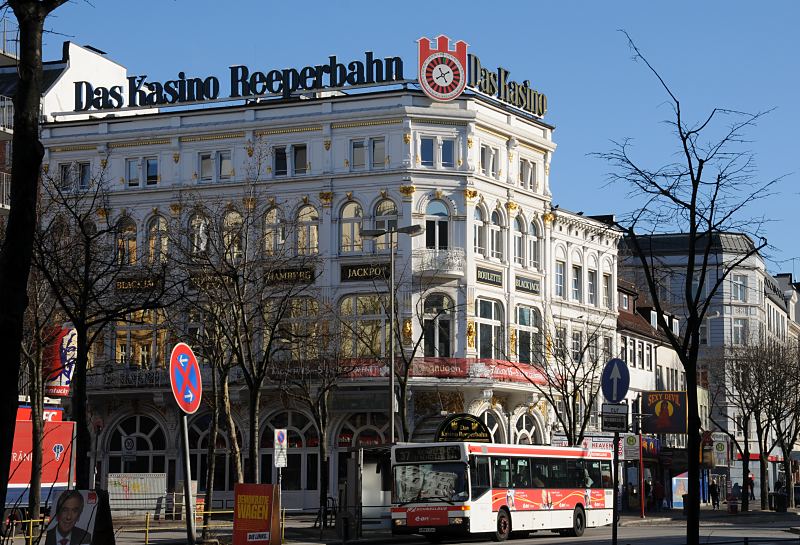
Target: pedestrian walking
<point>713,491</point>
<point>736,491</point>
<point>751,484</point>
<point>658,495</point>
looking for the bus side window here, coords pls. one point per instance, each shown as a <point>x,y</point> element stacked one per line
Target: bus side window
<point>594,473</point>
<point>521,475</point>
<point>501,472</point>
<point>479,475</point>
<point>558,474</point>
<point>539,473</point>
<point>605,475</point>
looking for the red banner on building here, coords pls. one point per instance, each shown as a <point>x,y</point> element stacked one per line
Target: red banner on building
<point>256,514</point>
<point>666,412</point>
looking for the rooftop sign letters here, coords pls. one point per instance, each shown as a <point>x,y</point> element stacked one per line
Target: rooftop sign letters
<point>444,72</point>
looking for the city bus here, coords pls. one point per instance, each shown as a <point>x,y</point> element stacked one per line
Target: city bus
<point>465,488</point>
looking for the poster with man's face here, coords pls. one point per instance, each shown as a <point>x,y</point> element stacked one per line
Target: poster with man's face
<point>73,517</point>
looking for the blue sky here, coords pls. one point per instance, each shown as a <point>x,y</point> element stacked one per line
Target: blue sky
<point>713,54</point>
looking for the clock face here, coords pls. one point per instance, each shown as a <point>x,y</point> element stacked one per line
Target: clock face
<point>442,76</point>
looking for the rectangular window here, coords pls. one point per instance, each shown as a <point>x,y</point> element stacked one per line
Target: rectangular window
<point>560,271</point>
<point>64,175</point>
<point>640,354</point>
<point>151,170</point>
<point>280,166</point>
<point>577,346</point>
<point>426,152</point>
<point>593,287</point>
<point>132,172</point>
<point>561,342</point>
<point>593,349</point>
<point>358,159</point>
<point>479,475</point>
<point>608,347</point>
<point>648,357</point>
<point>607,290</point>
<point>84,175</point>
<point>448,153</point>
<point>739,288</point>
<point>225,164</point>
<point>704,334</point>
<point>623,301</point>
<point>488,161</point>
<point>577,283</point>
<point>739,331</point>
<point>300,156</point>
<point>206,166</point>
<point>378,152</point>
<point>501,472</point>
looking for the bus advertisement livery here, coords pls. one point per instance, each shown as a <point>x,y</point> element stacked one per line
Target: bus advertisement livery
<point>463,488</point>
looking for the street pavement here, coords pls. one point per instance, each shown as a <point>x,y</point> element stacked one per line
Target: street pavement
<point>668,528</point>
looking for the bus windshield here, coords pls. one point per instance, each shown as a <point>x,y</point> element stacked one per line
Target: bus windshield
<point>441,481</point>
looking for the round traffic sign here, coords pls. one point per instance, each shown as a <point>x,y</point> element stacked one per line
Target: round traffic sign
<point>185,379</point>
<point>615,380</point>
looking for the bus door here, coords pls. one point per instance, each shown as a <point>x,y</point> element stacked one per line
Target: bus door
<point>482,519</point>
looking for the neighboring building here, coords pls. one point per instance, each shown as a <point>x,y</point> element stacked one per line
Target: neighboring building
<point>749,305</point>
<point>525,277</point>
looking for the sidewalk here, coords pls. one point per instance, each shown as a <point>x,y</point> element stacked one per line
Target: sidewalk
<point>717,516</point>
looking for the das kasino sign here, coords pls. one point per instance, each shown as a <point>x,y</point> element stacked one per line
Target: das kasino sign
<point>444,73</point>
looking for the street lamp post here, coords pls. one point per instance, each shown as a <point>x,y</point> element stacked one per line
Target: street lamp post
<point>412,231</point>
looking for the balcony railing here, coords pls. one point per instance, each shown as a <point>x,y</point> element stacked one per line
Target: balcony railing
<point>5,190</point>
<point>10,37</point>
<point>445,262</point>
<point>6,113</point>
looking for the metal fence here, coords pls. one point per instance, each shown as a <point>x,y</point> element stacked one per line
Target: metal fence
<point>10,37</point>
<point>6,113</point>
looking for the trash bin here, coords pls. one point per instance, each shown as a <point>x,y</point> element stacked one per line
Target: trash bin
<point>345,525</point>
<point>685,504</point>
<point>781,502</point>
<point>771,501</point>
<point>733,505</point>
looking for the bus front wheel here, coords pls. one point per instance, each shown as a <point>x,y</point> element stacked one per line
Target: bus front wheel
<point>578,522</point>
<point>503,526</point>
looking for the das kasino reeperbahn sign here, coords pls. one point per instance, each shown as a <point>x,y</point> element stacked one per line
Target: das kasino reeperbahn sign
<point>444,72</point>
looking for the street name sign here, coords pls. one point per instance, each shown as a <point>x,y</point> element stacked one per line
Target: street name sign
<point>615,380</point>
<point>185,379</point>
<point>615,417</point>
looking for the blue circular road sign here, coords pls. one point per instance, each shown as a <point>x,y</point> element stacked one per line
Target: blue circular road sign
<point>615,380</point>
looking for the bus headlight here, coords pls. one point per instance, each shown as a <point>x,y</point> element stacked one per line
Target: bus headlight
<point>399,522</point>
<point>457,520</point>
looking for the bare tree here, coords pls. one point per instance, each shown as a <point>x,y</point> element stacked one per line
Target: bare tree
<point>243,277</point>
<point>96,275</point>
<point>17,248</point>
<point>702,192</point>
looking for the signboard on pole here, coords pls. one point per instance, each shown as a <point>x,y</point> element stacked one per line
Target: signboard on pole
<point>256,514</point>
<point>631,447</point>
<point>665,412</point>
<point>615,380</point>
<point>281,448</point>
<point>615,417</point>
<point>185,379</point>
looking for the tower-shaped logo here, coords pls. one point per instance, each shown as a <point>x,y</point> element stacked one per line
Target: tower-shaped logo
<point>442,70</point>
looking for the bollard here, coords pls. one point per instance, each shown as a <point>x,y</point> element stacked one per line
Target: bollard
<point>146,528</point>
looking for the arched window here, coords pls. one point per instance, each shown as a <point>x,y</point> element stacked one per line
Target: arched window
<point>363,429</point>
<point>493,423</point>
<point>150,441</point>
<point>274,231</point>
<point>232,236</point>
<point>529,335</point>
<point>307,230</point>
<point>385,218</point>
<point>527,432</point>
<point>224,476</point>
<point>437,324</point>
<point>479,233</point>
<point>126,241</point>
<point>364,326</point>
<point>519,241</point>
<point>350,224</point>
<point>534,245</point>
<point>198,232</point>
<point>496,236</point>
<point>437,226</point>
<point>491,327</point>
<point>157,240</point>
<point>302,469</point>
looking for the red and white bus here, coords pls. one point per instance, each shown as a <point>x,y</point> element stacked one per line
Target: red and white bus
<point>462,488</point>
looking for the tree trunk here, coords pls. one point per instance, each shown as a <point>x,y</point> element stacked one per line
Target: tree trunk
<point>787,470</point>
<point>35,393</point>
<point>402,408</point>
<point>211,452</point>
<point>83,443</point>
<point>236,449</point>
<point>17,249</point>
<point>694,424</point>
<point>324,475</point>
<point>253,475</point>
<point>764,490</point>
<point>746,463</point>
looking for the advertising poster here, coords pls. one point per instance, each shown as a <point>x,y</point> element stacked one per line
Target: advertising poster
<point>60,361</point>
<point>256,515</point>
<point>74,518</point>
<point>57,463</point>
<point>666,412</point>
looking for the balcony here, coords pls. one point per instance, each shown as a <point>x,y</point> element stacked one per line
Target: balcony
<point>437,262</point>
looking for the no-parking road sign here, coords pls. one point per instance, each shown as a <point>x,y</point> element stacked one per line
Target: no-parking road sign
<point>184,376</point>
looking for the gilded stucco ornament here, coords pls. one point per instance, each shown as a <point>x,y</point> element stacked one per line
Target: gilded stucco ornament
<point>470,334</point>
<point>407,331</point>
<point>470,194</point>
<point>407,190</point>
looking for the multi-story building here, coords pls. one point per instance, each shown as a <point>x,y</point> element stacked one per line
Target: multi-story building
<point>522,277</point>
